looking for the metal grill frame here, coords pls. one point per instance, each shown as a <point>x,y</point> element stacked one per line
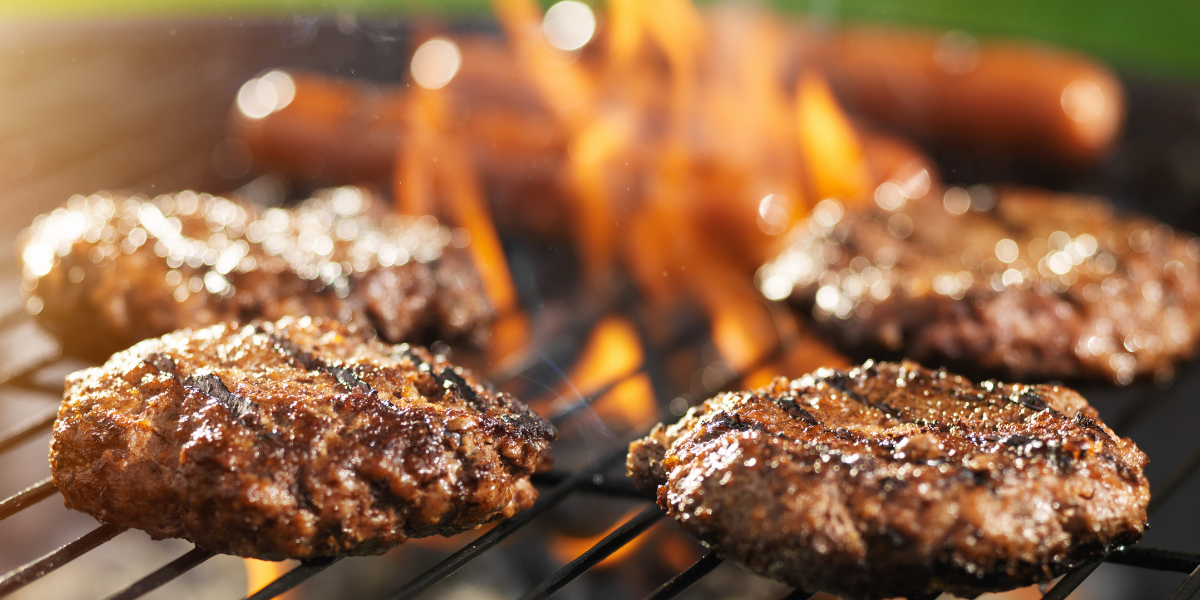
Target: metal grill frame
<point>588,480</point>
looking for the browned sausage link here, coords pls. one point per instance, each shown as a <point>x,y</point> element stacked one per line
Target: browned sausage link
<point>994,96</point>
<point>348,131</point>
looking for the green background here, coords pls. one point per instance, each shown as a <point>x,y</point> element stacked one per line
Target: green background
<point>1158,37</point>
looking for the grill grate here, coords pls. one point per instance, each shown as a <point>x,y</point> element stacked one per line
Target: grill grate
<point>589,480</point>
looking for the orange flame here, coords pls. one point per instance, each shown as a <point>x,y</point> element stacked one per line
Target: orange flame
<point>259,573</point>
<point>612,353</point>
<point>567,549</point>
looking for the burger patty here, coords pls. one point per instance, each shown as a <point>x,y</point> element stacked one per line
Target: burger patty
<point>292,439</point>
<point>1039,286</point>
<point>894,480</point>
<point>106,272</point>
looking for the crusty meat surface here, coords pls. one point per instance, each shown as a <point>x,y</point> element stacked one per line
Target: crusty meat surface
<point>106,272</point>
<point>291,439</point>
<point>894,480</point>
<point>1040,286</point>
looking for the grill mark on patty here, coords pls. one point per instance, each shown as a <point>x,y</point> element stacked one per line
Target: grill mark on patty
<point>208,384</point>
<point>343,375</point>
<point>790,406</point>
<point>449,379</point>
<point>840,381</point>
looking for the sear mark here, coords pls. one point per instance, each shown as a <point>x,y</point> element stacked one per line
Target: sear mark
<point>1032,400</point>
<point>210,385</point>
<point>163,362</point>
<point>1088,422</point>
<point>789,405</point>
<point>207,383</point>
<point>345,376</point>
<point>449,377</point>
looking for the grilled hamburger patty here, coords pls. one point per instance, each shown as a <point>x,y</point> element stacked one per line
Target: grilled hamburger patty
<point>106,272</point>
<point>1039,286</point>
<point>294,439</point>
<point>894,480</point>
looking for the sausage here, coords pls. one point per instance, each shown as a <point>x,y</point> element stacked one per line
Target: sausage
<point>998,97</point>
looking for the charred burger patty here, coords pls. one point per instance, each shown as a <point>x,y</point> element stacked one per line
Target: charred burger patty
<point>291,439</point>
<point>894,480</point>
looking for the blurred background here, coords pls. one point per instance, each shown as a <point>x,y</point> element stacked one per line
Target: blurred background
<point>136,95</point>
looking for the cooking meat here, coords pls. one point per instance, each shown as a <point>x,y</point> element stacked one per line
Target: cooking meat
<point>108,271</point>
<point>295,439</point>
<point>894,480</point>
<point>1039,286</point>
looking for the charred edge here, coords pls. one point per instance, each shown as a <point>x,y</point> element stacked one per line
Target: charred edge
<point>529,424</point>
<point>1088,422</point>
<point>789,405</point>
<point>163,362</point>
<point>1032,400</point>
<point>1016,440</point>
<point>734,422</point>
<point>841,382</point>
<point>885,409</point>
<point>208,384</point>
<point>449,377</point>
<point>344,376</point>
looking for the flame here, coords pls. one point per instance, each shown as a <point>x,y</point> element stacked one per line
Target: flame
<point>437,160</point>
<point>567,549</point>
<point>612,353</point>
<point>830,143</point>
<point>259,573</point>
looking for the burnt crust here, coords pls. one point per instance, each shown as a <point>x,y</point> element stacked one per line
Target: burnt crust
<point>891,479</point>
<point>293,439</point>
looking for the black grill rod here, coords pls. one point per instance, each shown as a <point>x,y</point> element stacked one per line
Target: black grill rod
<point>27,429</point>
<point>602,550</point>
<point>1153,558</point>
<point>164,575</point>
<point>1070,581</point>
<point>1188,588</point>
<point>621,488</point>
<point>295,577</point>
<point>681,582</point>
<point>506,528</point>
<point>27,497</point>
<point>23,576</point>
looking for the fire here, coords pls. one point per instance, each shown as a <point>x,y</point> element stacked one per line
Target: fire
<point>259,573</point>
<point>567,549</point>
<point>612,353</point>
<point>436,161</point>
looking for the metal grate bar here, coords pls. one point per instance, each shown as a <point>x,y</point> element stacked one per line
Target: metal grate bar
<point>506,528</point>
<point>1188,588</point>
<point>23,576</point>
<point>295,577</point>
<point>611,543</point>
<point>597,485</point>
<point>1070,581</point>
<point>27,429</point>
<point>27,497</point>
<point>194,558</point>
<point>681,582</point>
<point>1153,558</point>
